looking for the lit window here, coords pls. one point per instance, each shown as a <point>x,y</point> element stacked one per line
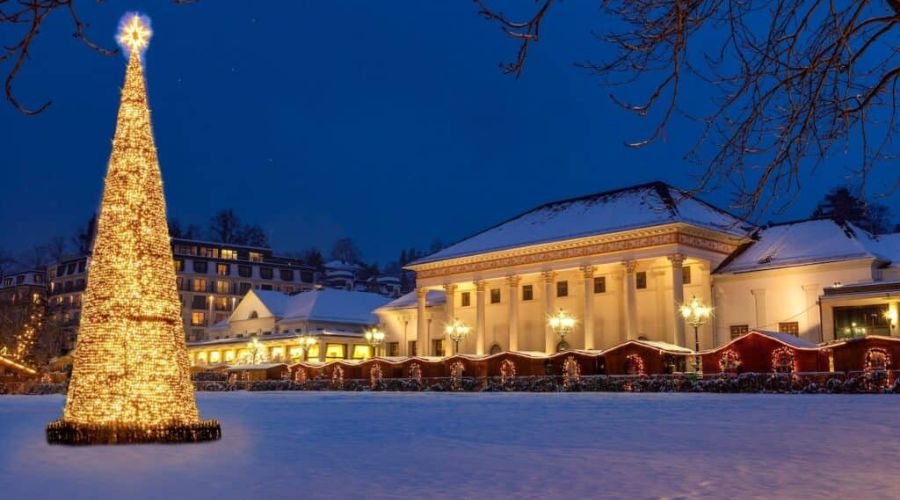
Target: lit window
<point>256,257</point>
<point>229,254</point>
<point>790,327</point>
<point>215,357</point>
<point>199,285</point>
<point>738,330</point>
<point>313,352</point>
<point>223,287</point>
<point>362,352</point>
<point>198,318</point>
<point>229,356</point>
<point>179,265</point>
<point>223,269</point>
<point>335,351</point>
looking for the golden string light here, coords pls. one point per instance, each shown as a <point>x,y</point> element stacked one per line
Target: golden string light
<point>131,377</point>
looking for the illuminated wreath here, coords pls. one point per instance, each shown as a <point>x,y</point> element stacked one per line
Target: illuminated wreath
<point>507,371</point>
<point>634,365</point>
<point>877,359</point>
<point>300,375</point>
<point>456,370</point>
<point>783,360</point>
<point>730,361</point>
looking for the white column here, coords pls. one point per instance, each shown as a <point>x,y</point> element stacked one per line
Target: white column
<point>813,328</point>
<point>588,320</point>
<point>450,308</point>
<point>322,348</point>
<point>513,320</point>
<point>421,323</point>
<point>549,294</point>
<point>630,300</point>
<point>479,317</point>
<point>677,261</point>
<point>759,295</point>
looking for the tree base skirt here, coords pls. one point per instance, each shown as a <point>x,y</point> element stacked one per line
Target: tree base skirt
<point>61,432</point>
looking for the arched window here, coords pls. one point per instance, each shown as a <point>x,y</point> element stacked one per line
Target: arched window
<point>253,315</point>
<point>496,349</point>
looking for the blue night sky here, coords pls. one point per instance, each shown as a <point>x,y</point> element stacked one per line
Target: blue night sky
<point>386,122</point>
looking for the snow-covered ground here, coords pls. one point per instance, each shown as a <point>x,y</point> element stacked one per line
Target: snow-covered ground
<point>338,445</point>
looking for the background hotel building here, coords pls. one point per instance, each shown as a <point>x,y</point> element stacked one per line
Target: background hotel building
<point>621,263</point>
<point>212,279</point>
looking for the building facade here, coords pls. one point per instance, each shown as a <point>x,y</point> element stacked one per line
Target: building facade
<point>622,262</point>
<point>212,279</point>
<point>268,326</point>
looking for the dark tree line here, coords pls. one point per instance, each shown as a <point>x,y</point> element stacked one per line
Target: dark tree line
<point>843,206</point>
<point>223,227</point>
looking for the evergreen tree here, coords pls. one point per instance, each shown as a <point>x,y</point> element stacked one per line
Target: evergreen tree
<point>843,206</point>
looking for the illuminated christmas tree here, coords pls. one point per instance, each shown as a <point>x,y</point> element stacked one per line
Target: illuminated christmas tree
<point>131,378</point>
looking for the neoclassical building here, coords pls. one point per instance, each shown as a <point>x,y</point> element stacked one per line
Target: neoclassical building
<point>622,262</point>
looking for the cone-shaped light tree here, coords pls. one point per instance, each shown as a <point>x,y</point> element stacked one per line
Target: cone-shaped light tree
<point>131,378</point>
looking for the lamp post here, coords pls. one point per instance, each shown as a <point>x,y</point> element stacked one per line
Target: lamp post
<point>562,324</point>
<point>257,351</point>
<point>457,331</point>
<point>696,314</point>
<point>375,338</point>
<point>306,342</point>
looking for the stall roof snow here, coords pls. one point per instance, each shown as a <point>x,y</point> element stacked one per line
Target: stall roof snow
<point>635,207</point>
<point>809,242</point>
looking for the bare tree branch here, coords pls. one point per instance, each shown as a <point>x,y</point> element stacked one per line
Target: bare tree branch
<point>790,80</point>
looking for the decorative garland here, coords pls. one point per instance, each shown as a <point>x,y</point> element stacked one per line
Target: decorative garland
<point>730,361</point>
<point>783,360</point>
<point>375,375</point>
<point>507,371</point>
<point>337,377</point>
<point>415,372</point>
<point>456,373</point>
<point>634,365</point>
<point>571,372</point>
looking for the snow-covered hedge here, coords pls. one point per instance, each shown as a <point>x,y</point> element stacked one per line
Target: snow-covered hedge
<point>743,383</point>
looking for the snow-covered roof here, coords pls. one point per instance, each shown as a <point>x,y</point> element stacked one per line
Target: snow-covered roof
<point>342,264</point>
<point>635,207</point>
<point>410,300</point>
<point>662,346</point>
<point>809,242</point>
<point>327,304</point>
<point>784,338</point>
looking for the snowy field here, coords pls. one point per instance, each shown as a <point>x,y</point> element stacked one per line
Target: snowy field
<point>366,445</point>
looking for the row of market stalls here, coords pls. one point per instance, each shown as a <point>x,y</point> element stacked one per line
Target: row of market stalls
<point>754,352</point>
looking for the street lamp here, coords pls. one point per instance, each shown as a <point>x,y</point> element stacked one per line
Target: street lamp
<point>374,337</point>
<point>306,341</point>
<point>696,314</point>
<point>562,324</point>
<point>457,331</point>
